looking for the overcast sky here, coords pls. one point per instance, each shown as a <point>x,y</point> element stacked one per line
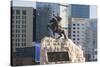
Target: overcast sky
<point>24,3</point>
<point>93,9</point>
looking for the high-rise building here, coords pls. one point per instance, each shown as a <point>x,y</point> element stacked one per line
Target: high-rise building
<point>78,28</point>
<point>78,25</point>
<point>83,30</point>
<point>44,12</point>
<point>79,17</point>
<point>22,31</point>
<point>21,27</point>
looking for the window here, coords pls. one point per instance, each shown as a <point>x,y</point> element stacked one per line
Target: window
<point>17,44</point>
<point>23,17</point>
<point>77,31</point>
<point>23,35</point>
<point>18,35</point>
<point>17,17</point>
<point>77,35</point>
<point>24,12</point>
<point>24,44</point>
<point>17,11</point>
<point>23,22</point>
<point>17,40</point>
<point>73,38</point>
<point>73,27</point>
<point>18,22</point>
<point>73,35</point>
<point>17,26</point>
<point>23,40</point>
<point>23,31</point>
<point>73,31</point>
<point>78,39</point>
<point>17,31</point>
<point>23,26</point>
<point>78,28</point>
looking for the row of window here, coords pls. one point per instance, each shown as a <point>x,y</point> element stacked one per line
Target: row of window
<point>18,22</point>
<point>20,44</point>
<point>77,24</point>
<point>75,31</point>
<point>19,12</point>
<point>75,28</point>
<point>22,40</point>
<point>19,35</point>
<point>76,39</point>
<point>75,35</point>
<point>19,26</point>
<point>19,31</point>
<point>19,17</point>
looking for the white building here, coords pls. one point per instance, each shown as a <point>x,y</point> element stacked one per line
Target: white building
<point>78,28</point>
<point>83,35</point>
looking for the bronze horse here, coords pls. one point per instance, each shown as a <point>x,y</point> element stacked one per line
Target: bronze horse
<point>55,27</point>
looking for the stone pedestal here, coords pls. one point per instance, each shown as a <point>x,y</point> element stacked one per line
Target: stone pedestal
<point>57,48</point>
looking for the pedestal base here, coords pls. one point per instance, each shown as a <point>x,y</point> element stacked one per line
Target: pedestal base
<point>60,51</point>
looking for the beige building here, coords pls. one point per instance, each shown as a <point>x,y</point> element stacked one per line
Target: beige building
<point>21,27</point>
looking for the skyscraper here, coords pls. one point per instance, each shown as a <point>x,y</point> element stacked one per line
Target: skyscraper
<point>44,12</point>
<point>78,25</point>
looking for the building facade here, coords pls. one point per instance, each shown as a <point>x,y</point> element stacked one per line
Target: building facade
<point>83,30</point>
<point>44,12</point>
<point>22,27</point>
<point>79,29</point>
<point>22,36</point>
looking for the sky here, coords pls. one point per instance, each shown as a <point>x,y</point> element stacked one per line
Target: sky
<point>24,3</point>
<point>93,8</point>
